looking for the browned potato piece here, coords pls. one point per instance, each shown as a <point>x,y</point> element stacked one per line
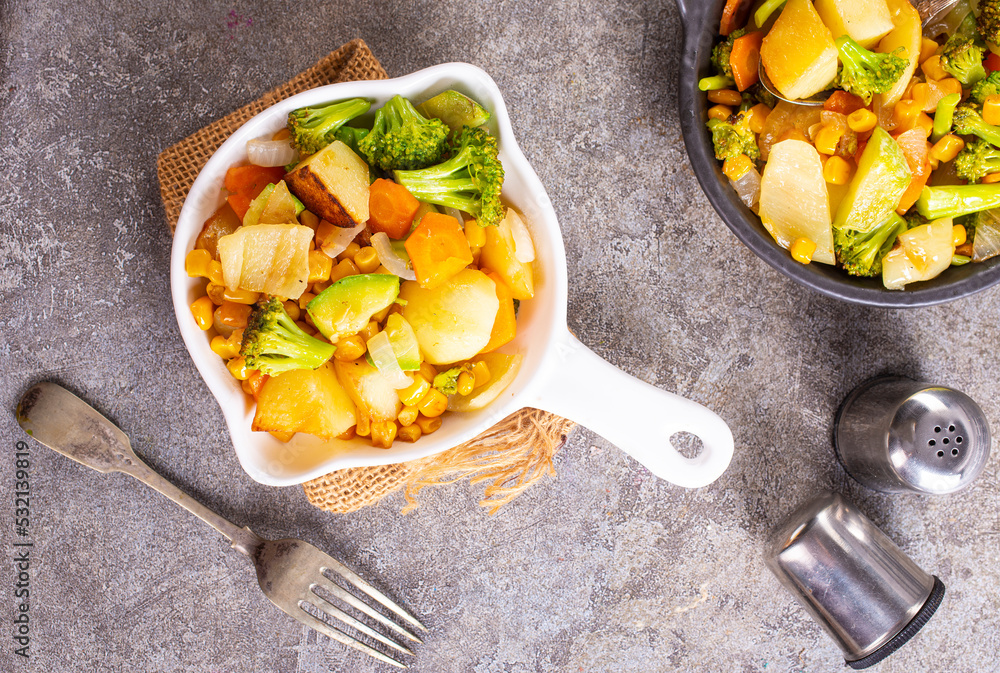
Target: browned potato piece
<point>304,400</point>
<point>333,183</point>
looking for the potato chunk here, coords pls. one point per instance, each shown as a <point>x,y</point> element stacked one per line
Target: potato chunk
<point>305,400</point>
<point>333,183</point>
<point>271,258</point>
<point>799,54</point>
<point>371,391</point>
<point>864,21</point>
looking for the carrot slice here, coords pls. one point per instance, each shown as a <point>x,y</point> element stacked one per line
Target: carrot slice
<point>391,208</point>
<point>734,15</point>
<point>252,178</point>
<point>745,59</point>
<point>505,325</point>
<point>843,102</point>
<point>913,143</point>
<point>438,249</point>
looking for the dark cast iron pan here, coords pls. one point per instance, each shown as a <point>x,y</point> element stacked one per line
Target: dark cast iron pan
<point>701,26</point>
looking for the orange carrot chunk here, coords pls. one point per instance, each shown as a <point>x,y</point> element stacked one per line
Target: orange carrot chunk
<point>734,15</point>
<point>391,208</point>
<point>438,249</point>
<point>252,178</point>
<point>505,325</point>
<point>745,59</point>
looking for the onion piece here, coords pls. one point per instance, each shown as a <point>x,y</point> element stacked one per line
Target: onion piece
<point>388,257</point>
<point>340,239</point>
<point>986,239</point>
<point>748,188</point>
<point>385,361</point>
<point>524,249</point>
<point>270,153</point>
<point>456,213</point>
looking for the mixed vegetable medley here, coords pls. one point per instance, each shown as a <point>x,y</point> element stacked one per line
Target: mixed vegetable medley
<point>861,137</point>
<point>361,278</point>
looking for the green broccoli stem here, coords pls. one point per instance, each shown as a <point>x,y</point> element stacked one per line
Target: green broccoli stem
<point>977,127</point>
<point>765,11</point>
<point>957,200</point>
<point>944,115</point>
<point>715,83</point>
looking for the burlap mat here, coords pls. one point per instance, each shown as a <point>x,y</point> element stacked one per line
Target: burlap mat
<point>511,455</point>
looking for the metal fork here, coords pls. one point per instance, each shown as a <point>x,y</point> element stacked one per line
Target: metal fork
<point>289,571</point>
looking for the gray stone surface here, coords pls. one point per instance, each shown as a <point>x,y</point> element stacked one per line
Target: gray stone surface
<point>603,568</point>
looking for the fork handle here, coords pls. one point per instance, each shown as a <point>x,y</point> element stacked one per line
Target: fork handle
<point>243,540</point>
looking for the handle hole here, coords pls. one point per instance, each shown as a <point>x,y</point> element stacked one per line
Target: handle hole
<point>687,444</point>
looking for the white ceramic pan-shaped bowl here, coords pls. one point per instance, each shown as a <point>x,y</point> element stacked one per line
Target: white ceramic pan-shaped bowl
<point>558,373</point>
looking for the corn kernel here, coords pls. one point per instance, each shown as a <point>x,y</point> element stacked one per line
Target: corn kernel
<point>317,288</point>
<point>481,372</point>
<point>217,293</point>
<point>802,250</point>
<point>282,133</point>
<point>203,311</point>
<point>408,416</point>
<point>380,316</point>
<point>925,123</point>
<point>991,109</point>
<point>433,403</point>
<point>383,270</point>
<point>428,371</point>
<point>950,85</point>
<point>414,393</point>
<point>793,134</point>
<point>225,348</point>
<point>720,112</point>
<point>990,179</point>
<point>284,437</point>
<point>305,299</point>
<point>241,296</point>
<point>932,68</point>
<point>369,330</point>
<point>234,315</point>
<point>828,138</point>
<point>215,272</point>
<point>366,259</point>
<point>934,163</point>
<point>384,433</point>
<point>475,235</point>
<point>725,97</point>
<point>736,167</point>
<point>349,433</point>
<point>364,426</point>
<point>320,266</point>
<point>758,117</point>
<point>292,309</point>
<point>309,219</point>
<point>921,95</point>
<point>196,263</point>
<point>238,368</point>
<point>349,252</point>
<point>947,148</point>
<point>252,385</point>
<point>958,235</point>
<point>308,319</point>
<point>905,115</point>
<point>862,121</point>
<point>305,327</point>
<point>410,433</point>
<point>928,48</point>
<point>837,171</point>
<point>343,270</point>
<point>349,348</point>
<point>428,425</point>
<point>466,382</point>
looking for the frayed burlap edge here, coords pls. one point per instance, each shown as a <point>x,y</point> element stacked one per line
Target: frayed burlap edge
<point>512,455</point>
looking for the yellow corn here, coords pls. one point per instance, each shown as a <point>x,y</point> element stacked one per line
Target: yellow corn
<point>725,97</point>
<point>407,416</point>
<point>827,139</point>
<point>475,235</point>
<point>837,171</point>
<point>349,348</point>
<point>364,426</point>
<point>214,272</point>
<point>802,250</point>
<point>928,48</point>
<point>251,386</point>
<point>428,371</point>
<point>409,433</point>
<point>958,235</point>
<point>196,263</point>
<point>481,373</point>
<point>719,112</point>
<point>990,179</point>
<point>238,368</point>
<point>292,309</point>
<point>366,259</point>
<point>203,311</point>
<point>229,348</point>
<point>414,393</point>
<point>934,163</point>
<point>234,315</point>
<point>947,148</point>
<point>309,219</point>
<point>350,433</point>
<point>349,252</point>
<point>320,286</point>
<point>281,133</point>
<point>381,315</point>
<point>736,167</point>
<point>921,95</point>
<point>428,425</point>
<point>217,293</point>
<point>309,320</point>
<point>925,123</point>
<point>241,296</point>
<point>369,330</point>
<point>793,134</point>
<point>932,68</point>
<point>305,327</point>
<point>320,266</point>
<point>305,299</point>
<point>758,117</point>
<point>284,437</point>
<point>433,403</point>
<point>466,382</point>
<point>862,121</point>
<point>991,109</point>
<point>905,115</point>
<point>384,433</point>
<point>343,270</point>
<point>950,85</point>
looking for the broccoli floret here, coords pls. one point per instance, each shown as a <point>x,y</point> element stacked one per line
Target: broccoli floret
<point>957,200</point>
<point>865,73</point>
<point>733,137</point>
<point>967,121</point>
<point>313,128</point>
<point>962,56</point>
<point>988,22</point>
<point>722,51</point>
<point>447,381</point>
<point>351,136</point>
<point>470,180</point>
<point>760,94</point>
<point>273,343</point>
<point>862,254</point>
<point>402,138</point>
<point>985,88</point>
<point>977,160</point>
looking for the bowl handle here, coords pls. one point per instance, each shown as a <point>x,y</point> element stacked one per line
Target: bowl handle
<point>635,416</point>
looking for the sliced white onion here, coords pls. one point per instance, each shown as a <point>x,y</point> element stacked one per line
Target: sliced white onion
<point>389,258</point>
<point>385,361</point>
<point>270,153</point>
<point>341,238</point>
<point>748,188</point>
<point>986,240</point>
<point>524,249</point>
<point>456,213</point>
